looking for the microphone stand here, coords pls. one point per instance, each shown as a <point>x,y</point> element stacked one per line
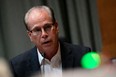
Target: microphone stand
<point>43,54</point>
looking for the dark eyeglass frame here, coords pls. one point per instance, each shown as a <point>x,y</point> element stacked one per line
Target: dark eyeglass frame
<point>38,31</point>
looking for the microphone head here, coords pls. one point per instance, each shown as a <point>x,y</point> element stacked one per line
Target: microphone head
<point>43,54</point>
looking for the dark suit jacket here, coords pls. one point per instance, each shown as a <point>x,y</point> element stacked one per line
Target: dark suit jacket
<point>27,63</point>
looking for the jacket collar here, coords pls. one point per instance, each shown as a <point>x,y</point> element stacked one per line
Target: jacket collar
<point>66,56</point>
<point>33,61</point>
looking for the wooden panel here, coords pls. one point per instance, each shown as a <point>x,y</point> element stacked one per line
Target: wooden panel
<point>107,17</point>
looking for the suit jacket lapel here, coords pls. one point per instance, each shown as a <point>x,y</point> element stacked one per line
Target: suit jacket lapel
<point>66,56</point>
<point>34,62</point>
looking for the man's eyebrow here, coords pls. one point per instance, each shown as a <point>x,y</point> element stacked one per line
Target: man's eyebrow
<point>48,23</point>
<point>36,26</point>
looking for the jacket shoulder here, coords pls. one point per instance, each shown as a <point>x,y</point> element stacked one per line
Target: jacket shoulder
<point>23,56</point>
<point>75,47</point>
<point>20,65</point>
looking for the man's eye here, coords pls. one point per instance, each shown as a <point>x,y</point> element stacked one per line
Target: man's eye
<point>37,30</point>
<point>47,27</point>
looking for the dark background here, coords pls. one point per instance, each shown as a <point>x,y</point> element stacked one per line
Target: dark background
<point>78,23</point>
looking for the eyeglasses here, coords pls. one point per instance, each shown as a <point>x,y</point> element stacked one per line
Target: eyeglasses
<point>38,31</point>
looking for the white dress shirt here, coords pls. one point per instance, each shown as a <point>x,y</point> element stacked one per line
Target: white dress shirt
<point>51,67</point>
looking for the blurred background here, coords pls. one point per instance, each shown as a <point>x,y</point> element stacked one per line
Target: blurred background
<point>86,22</point>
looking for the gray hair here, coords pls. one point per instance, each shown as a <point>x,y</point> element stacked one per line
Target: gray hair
<point>48,9</point>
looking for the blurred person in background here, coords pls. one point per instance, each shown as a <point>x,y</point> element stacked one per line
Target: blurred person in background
<point>4,69</point>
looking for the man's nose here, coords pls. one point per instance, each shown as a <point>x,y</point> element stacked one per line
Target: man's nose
<point>44,34</point>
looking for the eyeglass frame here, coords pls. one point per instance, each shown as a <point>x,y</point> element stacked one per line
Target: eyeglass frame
<point>47,28</point>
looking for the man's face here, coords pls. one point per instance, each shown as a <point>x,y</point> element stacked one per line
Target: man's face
<point>43,31</point>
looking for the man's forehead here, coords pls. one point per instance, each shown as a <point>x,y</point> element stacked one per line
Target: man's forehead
<point>39,18</point>
<point>38,13</point>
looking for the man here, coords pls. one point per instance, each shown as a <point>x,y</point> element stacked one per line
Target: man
<point>49,54</point>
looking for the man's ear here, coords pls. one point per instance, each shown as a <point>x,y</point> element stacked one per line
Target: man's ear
<point>30,35</point>
<point>56,24</point>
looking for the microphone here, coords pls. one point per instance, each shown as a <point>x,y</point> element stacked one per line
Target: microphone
<point>43,54</point>
<point>43,62</point>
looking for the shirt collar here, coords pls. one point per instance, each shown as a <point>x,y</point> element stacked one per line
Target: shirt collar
<point>39,56</point>
<point>56,59</point>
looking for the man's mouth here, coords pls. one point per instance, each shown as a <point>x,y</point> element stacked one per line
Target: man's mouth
<point>46,42</point>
